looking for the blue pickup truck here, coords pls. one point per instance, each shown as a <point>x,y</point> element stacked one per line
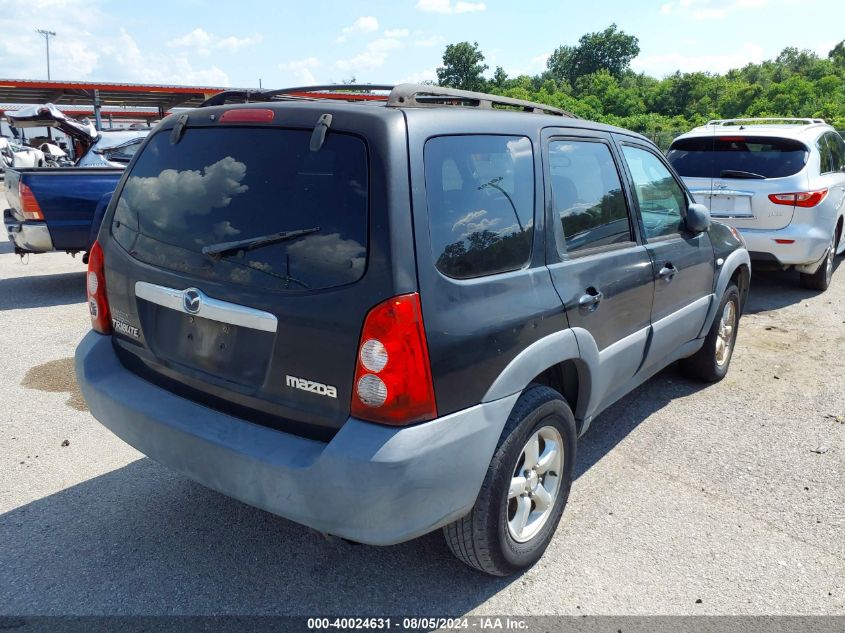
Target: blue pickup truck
<point>57,209</point>
<point>60,209</point>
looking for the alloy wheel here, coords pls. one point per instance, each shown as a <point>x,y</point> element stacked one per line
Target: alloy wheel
<point>724,339</point>
<point>535,484</point>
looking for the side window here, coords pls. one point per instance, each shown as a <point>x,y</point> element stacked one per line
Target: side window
<point>837,150</point>
<point>587,195</point>
<point>480,198</point>
<point>825,154</point>
<point>661,199</point>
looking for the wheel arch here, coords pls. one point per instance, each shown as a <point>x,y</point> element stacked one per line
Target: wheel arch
<point>553,361</point>
<point>737,266</point>
<point>741,276</point>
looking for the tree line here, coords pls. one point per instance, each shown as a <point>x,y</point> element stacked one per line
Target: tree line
<point>593,79</point>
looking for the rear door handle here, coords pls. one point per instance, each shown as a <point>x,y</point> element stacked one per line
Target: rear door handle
<point>668,272</point>
<point>591,299</point>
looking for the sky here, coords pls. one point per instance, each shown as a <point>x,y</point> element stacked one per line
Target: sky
<point>239,43</point>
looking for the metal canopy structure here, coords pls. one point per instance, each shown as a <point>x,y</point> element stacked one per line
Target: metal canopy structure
<point>159,98</point>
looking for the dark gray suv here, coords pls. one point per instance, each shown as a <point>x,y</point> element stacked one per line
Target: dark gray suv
<point>382,314</point>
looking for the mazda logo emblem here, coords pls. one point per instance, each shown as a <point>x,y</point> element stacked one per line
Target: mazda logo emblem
<point>191,300</point>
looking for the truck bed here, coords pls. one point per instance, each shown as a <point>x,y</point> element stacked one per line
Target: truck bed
<point>71,200</point>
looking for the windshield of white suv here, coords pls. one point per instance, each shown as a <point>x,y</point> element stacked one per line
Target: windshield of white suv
<point>737,157</point>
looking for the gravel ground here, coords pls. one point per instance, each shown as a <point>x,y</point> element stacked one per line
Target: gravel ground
<point>690,499</point>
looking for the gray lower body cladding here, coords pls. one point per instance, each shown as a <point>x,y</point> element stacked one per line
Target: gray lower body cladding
<point>372,484</point>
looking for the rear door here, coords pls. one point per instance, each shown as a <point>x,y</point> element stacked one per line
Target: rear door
<point>682,262</point>
<point>600,270</point>
<point>269,334</point>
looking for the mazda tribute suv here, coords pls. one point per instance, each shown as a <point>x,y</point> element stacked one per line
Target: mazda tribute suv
<point>382,311</point>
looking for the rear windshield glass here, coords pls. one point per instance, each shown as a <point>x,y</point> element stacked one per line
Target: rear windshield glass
<point>232,184</point>
<point>739,156</point>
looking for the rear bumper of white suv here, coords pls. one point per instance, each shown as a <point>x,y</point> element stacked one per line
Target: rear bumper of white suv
<point>372,484</point>
<point>793,245</point>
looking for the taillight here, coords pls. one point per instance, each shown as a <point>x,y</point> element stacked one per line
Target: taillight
<point>247,115</point>
<point>393,382</point>
<point>29,205</point>
<point>804,199</point>
<point>98,305</point>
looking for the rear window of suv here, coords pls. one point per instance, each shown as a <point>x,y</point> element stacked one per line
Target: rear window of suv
<point>221,185</point>
<point>737,157</point>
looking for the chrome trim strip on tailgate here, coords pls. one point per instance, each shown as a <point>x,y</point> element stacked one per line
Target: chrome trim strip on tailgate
<point>209,308</point>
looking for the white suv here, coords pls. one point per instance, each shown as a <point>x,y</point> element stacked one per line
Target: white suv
<point>781,182</point>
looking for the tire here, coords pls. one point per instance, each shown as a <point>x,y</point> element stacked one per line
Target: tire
<point>711,362</point>
<point>483,539</point>
<point>820,280</point>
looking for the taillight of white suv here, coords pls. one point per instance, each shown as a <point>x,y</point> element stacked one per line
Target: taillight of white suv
<point>805,199</point>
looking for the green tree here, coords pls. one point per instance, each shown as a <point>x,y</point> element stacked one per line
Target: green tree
<point>593,81</point>
<point>561,64</point>
<point>500,77</point>
<point>462,67</point>
<point>837,54</point>
<point>611,50</point>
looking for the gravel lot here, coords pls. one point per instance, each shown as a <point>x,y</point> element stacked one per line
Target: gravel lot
<point>689,499</point>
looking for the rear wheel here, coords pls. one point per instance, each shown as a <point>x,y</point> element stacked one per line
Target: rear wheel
<point>525,489</point>
<point>711,362</point>
<point>820,280</point>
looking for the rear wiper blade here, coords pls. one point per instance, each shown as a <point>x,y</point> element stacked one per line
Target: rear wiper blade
<point>736,173</point>
<point>223,249</point>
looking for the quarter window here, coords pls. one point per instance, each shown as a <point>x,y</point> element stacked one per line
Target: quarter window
<point>587,195</point>
<point>480,197</point>
<point>836,153</point>
<point>661,199</point>
<point>825,154</point>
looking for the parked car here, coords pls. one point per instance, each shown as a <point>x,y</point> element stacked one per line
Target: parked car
<point>781,182</point>
<point>55,156</point>
<point>7,159</point>
<point>14,154</point>
<point>380,319</point>
<point>61,208</point>
<point>93,148</point>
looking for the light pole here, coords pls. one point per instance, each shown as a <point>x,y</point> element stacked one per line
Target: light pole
<point>47,35</point>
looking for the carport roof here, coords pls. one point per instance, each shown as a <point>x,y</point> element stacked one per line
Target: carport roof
<point>82,93</point>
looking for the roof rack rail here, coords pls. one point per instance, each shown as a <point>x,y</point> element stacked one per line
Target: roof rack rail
<point>781,119</point>
<point>342,92</point>
<point>421,95</point>
<point>402,95</point>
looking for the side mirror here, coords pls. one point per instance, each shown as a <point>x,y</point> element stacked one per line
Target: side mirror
<point>698,218</point>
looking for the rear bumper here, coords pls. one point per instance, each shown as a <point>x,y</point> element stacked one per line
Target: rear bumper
<point>371,483</point>
<point>32,237</point>
<point>808,247</point>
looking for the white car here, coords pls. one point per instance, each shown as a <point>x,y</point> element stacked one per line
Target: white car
<point>106,148</point>
<point>14,155</point>
<point>780,182</point>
